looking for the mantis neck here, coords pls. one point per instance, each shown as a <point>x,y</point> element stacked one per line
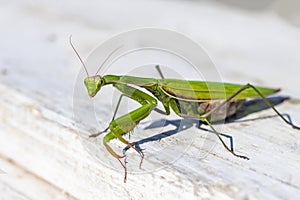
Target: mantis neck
<point>113,79</point>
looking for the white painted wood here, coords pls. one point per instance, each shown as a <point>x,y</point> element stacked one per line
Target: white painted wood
<point>38,132</point>
<point>17,183</point>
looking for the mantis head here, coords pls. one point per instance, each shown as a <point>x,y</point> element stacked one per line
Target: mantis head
<point>93,84</point>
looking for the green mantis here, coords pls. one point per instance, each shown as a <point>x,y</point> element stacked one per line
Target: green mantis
<point>188,99</point>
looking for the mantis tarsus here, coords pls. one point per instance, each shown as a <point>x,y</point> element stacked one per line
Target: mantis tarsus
<point>188,99</point>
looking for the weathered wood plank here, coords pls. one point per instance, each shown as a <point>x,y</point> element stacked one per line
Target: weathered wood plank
<point>17,183</point>
<point>38,131</point>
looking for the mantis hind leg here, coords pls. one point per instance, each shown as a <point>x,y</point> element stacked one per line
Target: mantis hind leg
<point>247,86</point>
<point>271,106</point>
<point>204,117</point>
<point>222,141</point>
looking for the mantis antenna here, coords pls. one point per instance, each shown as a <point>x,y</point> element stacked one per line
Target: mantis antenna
<point>70,40</point>
<point>111,53</point>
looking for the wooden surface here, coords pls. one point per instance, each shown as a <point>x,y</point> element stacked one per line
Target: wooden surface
<point>43,151</point>
<point>17,183</point>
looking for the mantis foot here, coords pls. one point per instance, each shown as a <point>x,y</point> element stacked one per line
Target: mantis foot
<point>240,156</point>
<point>99,133</point>
<point>124,166</point>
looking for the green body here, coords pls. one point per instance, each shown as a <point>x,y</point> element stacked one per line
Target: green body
<point>190,99</point>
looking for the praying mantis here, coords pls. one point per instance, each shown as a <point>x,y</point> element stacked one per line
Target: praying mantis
<point>188,99</point>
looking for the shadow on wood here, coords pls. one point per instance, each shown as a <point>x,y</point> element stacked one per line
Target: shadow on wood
<point>248,107</point>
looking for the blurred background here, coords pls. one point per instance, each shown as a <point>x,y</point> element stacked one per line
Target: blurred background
<point>247,40</point>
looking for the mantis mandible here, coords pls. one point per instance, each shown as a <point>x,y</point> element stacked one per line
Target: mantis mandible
<point>188,99</point>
